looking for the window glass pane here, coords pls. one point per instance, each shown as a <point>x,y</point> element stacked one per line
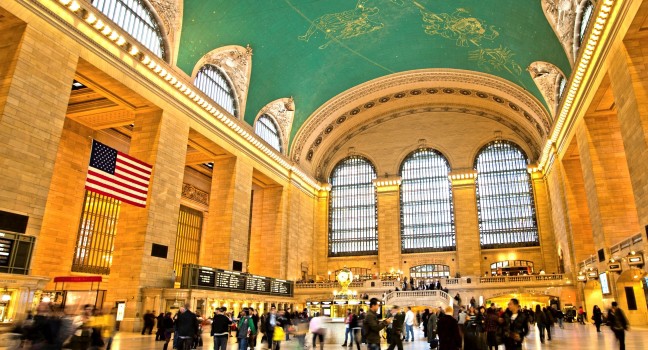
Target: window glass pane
<point>505,198</point>
<point>561,89</point>
<point>268,131</point>
<point>588,9</point>
<point>430,271</point>
<point>187,247</point>
<point>96,234</point>
<point>134,17</point>
<point>353,222</point>
<point>427,216</point>
<point>213,83</point>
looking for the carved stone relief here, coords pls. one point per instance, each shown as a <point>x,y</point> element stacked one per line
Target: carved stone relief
<point>236,63</point>
<point>170,14</point>
<point>547,77</point>
<point>561,15</point>
<point>191,192</point>
<point>282,111</point>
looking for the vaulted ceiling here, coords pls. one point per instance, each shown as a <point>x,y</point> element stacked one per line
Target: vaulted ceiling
<point>314,50</point>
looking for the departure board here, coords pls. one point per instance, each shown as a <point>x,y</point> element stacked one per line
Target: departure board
<point>201,277</point>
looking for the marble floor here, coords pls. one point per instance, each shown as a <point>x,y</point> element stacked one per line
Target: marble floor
<point>572,337</point>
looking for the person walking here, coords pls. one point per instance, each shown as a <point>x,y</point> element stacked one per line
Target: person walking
<point>424,321</point>
<point>316,327</point>
<point>220,329</point>
<point>372,326</point>
<point>168,325</point>
<point>618,324</point>
<point>597,317</point>
<point>269,325</point>
<point>448,331</point>
<point>409,324</point>
<point>347,328</point>
<point>431,327</point>
<point>159,335</point>
<point>149,322</point>
<point>186,327</point>
<point>244,328</point>
<point>396,334</point>
<point>541,322</point>
<point>516,326</point>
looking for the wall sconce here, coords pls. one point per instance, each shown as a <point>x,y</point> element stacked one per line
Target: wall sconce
<point>581,277</point>
<point>614,265</point>
<point>635,259</point>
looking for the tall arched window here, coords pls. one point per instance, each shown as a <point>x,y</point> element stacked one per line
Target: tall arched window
<point>505,197</point>
<point>136,19</point>
<point>586,16</point>
<point>427,218</point>
<point>430,271</point>
<point>266,128</point>
<point>214,84</point>
<point>353,221</point>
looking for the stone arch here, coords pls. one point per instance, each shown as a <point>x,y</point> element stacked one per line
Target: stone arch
<point>168,14</point>
<point>561,15</point>
<point>236,64</point>
<point>282,111</point>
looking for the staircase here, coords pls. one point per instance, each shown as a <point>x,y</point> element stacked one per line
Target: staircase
<point>431,298</point>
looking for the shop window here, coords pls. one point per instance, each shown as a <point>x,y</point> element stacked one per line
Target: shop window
<point>96,235</point>
<point>353,220</point>
<point>505,197</point>
<point>512,268</point>
<point>427,215</point>
<point>430,271</point>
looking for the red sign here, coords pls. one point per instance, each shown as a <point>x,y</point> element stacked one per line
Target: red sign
<point>77,279</point>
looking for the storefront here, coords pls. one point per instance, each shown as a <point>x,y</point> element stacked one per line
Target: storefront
<point>337,309</point>
<point>19,295</point>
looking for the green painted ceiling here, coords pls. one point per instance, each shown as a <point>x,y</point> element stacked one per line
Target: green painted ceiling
<point>366,39</point>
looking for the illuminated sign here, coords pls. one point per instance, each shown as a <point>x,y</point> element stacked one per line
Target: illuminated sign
<point>121,309</point>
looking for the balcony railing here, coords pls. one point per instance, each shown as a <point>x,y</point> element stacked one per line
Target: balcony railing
<point>445,282</point>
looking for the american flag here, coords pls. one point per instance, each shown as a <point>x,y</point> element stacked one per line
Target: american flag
<point>118,175</point>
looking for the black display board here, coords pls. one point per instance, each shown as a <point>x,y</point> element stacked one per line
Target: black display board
<point>6,247</point>
<point>201,277</point>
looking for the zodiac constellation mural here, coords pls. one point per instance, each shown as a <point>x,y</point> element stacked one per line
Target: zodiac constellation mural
<point>347,24</point>
<point>461,26</point>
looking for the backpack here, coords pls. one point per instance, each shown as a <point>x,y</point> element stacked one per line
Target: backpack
<point>244,327</point>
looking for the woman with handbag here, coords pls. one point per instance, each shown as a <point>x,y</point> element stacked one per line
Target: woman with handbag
<point>82,337</point>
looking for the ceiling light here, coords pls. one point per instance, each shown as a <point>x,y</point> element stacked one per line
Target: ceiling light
<point>74,6</point>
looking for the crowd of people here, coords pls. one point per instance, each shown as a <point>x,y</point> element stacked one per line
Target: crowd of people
<point>471,327</point>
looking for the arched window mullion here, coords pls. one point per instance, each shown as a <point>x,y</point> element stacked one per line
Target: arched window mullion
<point>212,82</point>
<point>505,197</point>
<point>134,17</point>
<point>352,209</point>
<point>427,218</point>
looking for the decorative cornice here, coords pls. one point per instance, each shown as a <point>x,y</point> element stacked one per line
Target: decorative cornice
<point>464,177</point>
<point>135,55</point>
<point>387,184</point>
<point>332,110</point>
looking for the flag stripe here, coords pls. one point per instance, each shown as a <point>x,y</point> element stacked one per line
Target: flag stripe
<point>109,194</point>
<point>117,189</point>
<point>131,179</point>
<point>115,194</point>
<point>111,179</point>
<point>118,175</point>
<point>135,166</point>
<point>144,165</point>
<point>129,171</point>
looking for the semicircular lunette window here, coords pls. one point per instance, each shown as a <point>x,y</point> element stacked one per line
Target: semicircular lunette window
<point>505,197</point>
<point>266,128</point>
<point>430,271</point>
<point>353,220</point>
<point>213,82</point>
<point>427,217</point>
<point>136,19</point>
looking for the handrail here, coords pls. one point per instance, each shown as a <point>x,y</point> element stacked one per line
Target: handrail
<point>438,294</point>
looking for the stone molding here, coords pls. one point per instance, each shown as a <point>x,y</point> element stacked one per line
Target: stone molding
<point>325,118</point>
<point>547,77</point>
<point>282,111</point>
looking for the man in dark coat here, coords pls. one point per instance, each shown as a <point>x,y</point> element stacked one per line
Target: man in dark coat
<point>516,326</point>
<point>186,326</point>
<point>448,331</point>
<point>372,326</point>
<point>396,334</point>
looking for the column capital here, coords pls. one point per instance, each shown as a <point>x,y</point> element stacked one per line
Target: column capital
<point>387,184</point>
<point>463,177</point>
